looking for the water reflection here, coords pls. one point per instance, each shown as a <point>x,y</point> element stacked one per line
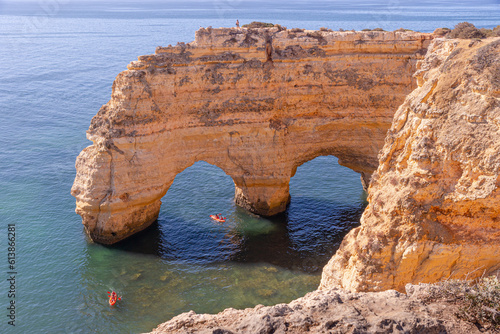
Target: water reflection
<point>300,241</point>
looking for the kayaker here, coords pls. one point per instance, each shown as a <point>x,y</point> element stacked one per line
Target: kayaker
<point>113,298</point>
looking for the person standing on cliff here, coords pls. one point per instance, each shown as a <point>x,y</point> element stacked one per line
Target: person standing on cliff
<point>269,50</point>
<point>237,24</point>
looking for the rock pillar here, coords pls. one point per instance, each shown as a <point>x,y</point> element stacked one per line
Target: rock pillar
<point>262,196</point>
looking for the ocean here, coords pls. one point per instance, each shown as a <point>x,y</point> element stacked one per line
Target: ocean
<point>59,59</point>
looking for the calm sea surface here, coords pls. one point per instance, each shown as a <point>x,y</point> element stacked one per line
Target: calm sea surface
<point>59,60</point>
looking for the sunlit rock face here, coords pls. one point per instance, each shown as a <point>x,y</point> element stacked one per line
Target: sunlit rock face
<point>434,201</point>
<point>217,99</point>
<point>332,311</point>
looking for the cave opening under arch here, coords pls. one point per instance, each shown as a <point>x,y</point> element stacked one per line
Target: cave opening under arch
<point>327,201</point>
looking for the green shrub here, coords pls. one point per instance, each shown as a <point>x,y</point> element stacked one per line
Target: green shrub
<point>366,29</point>
<point>280,27</point>
<point>441,31</point>
<point>402,30</point>
<point>255,24</point>
<point>465,30</point>
<point>496,30</point>
<point>487,32</point>
<point>378,29</point>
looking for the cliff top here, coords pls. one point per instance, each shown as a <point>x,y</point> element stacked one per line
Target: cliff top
<point>242,44</point>
<point>278,36</point>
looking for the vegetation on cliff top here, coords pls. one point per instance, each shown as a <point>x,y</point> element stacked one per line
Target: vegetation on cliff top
<point>478,302</point>
<point>256,24</point>
<point>466,30</point>
<point>463,30</point>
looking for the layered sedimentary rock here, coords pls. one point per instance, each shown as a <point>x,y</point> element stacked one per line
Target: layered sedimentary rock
<point>434,201</point>
<point>332,311</point>
<point>217,99</point>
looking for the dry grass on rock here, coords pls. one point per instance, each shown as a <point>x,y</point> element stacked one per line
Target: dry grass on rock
<point>478,302</point>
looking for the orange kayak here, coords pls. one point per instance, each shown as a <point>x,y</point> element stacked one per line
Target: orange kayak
<point>113,297</point>
<point>220,220</point>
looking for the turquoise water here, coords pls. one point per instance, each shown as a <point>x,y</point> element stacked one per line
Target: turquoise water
<point>58,65</point>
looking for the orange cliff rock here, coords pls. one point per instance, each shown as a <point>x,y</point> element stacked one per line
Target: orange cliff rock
<point>434,201</point>
<point>217,99</point>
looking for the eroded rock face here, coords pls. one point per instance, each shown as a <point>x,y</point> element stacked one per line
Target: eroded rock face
<point>217,99</point>
<point>331,311</point>
<point>434,201</point>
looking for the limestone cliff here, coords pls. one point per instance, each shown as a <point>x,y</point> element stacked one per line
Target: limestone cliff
<point>434,201</point>
<point>332,311</point>
<point>217,99</point>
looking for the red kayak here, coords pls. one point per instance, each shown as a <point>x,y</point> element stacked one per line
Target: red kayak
<point>113,297</point>
<point>220,219</point>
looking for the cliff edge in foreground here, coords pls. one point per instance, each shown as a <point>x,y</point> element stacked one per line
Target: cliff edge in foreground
<point>434,201</point>
<point>333,311</point>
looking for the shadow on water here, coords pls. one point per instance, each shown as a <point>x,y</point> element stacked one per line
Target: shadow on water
<point>303,238</point>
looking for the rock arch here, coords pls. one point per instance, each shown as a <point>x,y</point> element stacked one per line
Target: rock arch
<point>217,100</point>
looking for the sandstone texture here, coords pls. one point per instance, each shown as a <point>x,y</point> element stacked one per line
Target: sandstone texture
<point>434,201</point>
<point>217,99</point>
<point>332,311</point>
